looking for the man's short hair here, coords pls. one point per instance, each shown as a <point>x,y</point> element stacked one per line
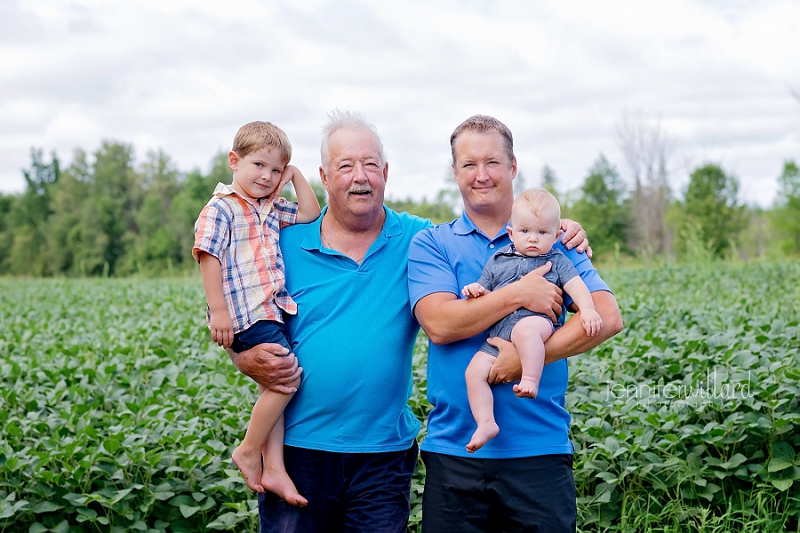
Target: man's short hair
<point>337,120</point>
<point>254,136</point>
<point>484,124</point>
<point>537,200</point>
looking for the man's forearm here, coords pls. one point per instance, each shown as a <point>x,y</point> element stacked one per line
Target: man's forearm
<point>446,318</point>
<point>571,338</point>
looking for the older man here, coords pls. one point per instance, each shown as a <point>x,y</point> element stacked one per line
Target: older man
<point>522,480</point>
<point>350,435</point>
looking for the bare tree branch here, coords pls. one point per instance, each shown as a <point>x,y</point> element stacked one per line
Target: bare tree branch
<point>647,150</point>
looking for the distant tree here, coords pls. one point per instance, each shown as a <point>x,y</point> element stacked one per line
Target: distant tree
<point>29,215</point>
<point>549,180</point>
<point>520,183</point>
<point>647,149</point>
<point>320,192</point>
<point>154,248</point>
<point>449,194</point>
<point>437,212</point>
<point>195,192</point>
<point>118,194</point>
<point>316,186</point>
<point>756,240</point>
<point>786,215</point>
<point>603,210</point>
<point>67,224</point>
<point>6,228</point>
<point>711,210</point>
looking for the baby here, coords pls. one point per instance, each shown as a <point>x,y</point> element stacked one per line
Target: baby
<point>535,226</point>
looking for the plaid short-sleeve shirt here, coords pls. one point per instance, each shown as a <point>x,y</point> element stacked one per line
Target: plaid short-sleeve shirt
<point>244,236</point>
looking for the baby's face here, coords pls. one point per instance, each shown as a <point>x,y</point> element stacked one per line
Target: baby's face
<point>532,235</point>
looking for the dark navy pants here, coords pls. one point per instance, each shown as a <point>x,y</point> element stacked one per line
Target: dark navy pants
<point>346,492</point>
<point>526,495</point>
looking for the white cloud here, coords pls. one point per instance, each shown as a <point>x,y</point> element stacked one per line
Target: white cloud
<point>182,76</point>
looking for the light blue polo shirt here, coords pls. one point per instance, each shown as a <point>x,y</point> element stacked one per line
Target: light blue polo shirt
<point>354,337</point>
<point>445,259</point>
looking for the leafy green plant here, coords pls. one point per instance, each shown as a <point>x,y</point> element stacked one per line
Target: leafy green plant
<point>119,414</point>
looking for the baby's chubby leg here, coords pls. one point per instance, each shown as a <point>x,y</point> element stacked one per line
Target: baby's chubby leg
<point>528,336</point>
<point>481,401</point>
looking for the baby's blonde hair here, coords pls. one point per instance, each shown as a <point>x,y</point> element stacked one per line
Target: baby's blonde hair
<point>254,136</point>
<point>540,202</point>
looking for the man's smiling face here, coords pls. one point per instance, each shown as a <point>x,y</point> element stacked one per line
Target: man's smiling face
<point>356,174</point>
<point>482,170</point>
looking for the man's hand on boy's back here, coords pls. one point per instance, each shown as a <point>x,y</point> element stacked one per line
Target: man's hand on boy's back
<point>269,365</point>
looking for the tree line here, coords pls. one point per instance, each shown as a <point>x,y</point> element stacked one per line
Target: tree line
<point>105,215</point>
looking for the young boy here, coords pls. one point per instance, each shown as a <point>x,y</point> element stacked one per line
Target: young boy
<point>236,244</point>
<point>535,221</point>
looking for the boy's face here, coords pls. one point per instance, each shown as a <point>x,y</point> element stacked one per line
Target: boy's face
<point>258,173</point>
<point>533,235</point>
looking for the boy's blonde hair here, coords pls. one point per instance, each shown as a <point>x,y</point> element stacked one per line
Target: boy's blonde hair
<point>540,202</point>
<point>254,136</point>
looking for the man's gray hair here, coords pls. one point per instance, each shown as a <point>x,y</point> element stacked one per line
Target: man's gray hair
<point>337,120</point>
<point>484,124</point>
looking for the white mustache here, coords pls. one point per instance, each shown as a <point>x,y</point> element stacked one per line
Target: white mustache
<point>358,190</point>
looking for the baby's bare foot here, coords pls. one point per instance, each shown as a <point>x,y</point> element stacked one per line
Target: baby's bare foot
<point>482,435</point>
<point>278,482</point>
<point>526,388</point>
<point>250,466</point>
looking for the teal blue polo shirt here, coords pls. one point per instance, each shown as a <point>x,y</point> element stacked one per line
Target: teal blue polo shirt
<point>445,259</point>
<point>354,336</point>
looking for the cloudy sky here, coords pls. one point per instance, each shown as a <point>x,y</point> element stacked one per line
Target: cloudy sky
<point>717,76</point>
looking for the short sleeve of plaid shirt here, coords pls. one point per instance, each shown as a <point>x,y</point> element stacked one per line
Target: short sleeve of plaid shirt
<point>212,230</point>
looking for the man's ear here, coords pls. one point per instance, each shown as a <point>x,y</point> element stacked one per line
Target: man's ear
<point>323,178</point>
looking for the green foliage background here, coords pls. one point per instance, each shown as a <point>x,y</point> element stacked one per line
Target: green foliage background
<point>119,414</point>
<point>105,214</point>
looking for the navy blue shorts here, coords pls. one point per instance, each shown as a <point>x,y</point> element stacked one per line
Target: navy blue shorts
<point>259,333</point>
<point>346,492</point>
<point>526,495</point>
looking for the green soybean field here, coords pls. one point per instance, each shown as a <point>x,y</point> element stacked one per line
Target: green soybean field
<point>118,413</point>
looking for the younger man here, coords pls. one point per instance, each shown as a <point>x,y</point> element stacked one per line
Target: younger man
<point>237,245</point>
<point>535,226</point>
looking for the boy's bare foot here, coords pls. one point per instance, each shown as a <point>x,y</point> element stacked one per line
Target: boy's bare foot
<point>278,482</point>
<point>526,388</point>
<point>250,466</point>
<point>482,435</point>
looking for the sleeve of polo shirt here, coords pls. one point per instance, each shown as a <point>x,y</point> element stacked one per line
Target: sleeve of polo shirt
<point>587,272</point>
<point>428,269</point>
<point>211,231</point>
<point>286,211</point>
